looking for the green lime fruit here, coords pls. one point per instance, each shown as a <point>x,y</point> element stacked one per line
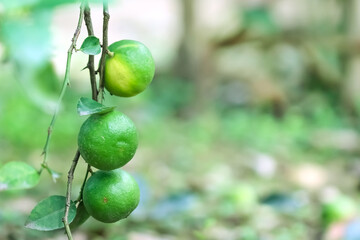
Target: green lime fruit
<point>111,195</point>
<point>130,69</point>
<point>108,141</point>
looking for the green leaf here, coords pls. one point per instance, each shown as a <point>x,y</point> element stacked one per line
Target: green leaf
<point>47,214</point>
<point>81,216</point>
<point>54,175</point>
<point>91,46</point>
<point>18,175</point>
<point>87,106</point>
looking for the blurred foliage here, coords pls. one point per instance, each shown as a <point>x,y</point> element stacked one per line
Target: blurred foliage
<point>258,140</point>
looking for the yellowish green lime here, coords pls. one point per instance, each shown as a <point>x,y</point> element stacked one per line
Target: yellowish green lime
<point>130,70</point>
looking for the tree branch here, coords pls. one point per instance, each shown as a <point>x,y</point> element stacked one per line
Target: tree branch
<point>68,194</point>
<point>105,50</point>
<point>90,64</point>
<point>77,155</point>
<point>66,82</point>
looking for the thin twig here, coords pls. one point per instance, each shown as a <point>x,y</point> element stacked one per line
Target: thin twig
<point>88,170</point>
<point>77,155</point>
<point>68,194</point>
<point>101,68</point>
<point>66,82</point>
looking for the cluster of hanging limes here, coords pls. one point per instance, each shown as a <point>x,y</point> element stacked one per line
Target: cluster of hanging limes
<point>109,141</point>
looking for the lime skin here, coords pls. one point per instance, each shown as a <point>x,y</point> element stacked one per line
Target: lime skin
<point>130,69</point>
<point>110,196</point>
<point>108,141</point>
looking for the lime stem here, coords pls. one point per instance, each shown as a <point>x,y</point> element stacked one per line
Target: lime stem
<point>111,54</point>
<point>101,68</point>
<point>91,64</point>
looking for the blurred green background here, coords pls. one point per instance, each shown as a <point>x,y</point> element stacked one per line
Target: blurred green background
<point>249,130</point>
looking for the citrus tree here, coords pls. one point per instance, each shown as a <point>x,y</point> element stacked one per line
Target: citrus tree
<point>107,140</point>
